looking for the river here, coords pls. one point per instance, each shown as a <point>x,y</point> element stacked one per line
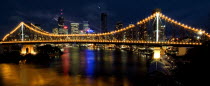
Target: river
<point>79,67</point>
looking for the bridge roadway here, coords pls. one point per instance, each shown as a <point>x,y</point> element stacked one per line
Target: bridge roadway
<point>149,43</point>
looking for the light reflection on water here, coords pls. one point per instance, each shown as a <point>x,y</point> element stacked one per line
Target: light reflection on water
<point>79,67</point>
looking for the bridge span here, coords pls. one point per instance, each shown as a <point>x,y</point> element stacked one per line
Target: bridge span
<point>155,30</point>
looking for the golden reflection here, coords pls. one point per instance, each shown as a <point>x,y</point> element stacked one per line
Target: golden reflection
<point>28,75</point>
<point>65,61</point>
<point>9,73</point>
<point>34,75</point>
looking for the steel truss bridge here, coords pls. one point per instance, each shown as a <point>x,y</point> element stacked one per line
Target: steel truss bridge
<point>156,29</point>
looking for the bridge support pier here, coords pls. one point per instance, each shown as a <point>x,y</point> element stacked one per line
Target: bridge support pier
<point>28,49</point>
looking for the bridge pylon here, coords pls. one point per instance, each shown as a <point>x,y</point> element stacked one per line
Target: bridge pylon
<point>22,31</point>
<point>28,49</point>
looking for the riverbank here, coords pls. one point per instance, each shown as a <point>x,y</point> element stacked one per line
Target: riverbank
<point>45,55</point>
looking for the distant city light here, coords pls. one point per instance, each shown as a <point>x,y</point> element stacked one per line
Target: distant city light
<point>65,27</point>
<point>200,32</point>
<point>89,31</point>
<point>198,37</point>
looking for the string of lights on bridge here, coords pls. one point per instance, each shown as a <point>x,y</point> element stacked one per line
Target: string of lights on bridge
<point>105,41</point>
<point>40,31</point>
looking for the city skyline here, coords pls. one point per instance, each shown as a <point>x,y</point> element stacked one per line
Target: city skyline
<point>126,12</point>
<point>103,42</point>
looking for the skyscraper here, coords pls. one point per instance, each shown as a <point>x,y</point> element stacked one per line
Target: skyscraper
<point>74,28</point>
<point>85,25</point>
<point>61,25</point>
<point>65,30</point>
<point>55,30</point>
<point>161,32</point>
<point>103,22</point>
<point>119,25</point>
<point>62,29</point>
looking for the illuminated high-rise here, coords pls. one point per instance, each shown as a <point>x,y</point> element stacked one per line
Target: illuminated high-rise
<point>74,28</point>
<point>62,29</point>
<point>61,25</point>
<point>65,30</point>
<point>85,26</point>
<point>55,30</point>
<point>119,25</point>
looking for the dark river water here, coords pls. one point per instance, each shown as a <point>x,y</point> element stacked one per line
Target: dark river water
<point>79,67</point>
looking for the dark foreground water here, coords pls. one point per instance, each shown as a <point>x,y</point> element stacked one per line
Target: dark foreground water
<point>79,67</point>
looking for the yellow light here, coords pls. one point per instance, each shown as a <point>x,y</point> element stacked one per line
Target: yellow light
<point>34,53</point>
<point>156,53</point>
<point>23,52</point>
<point>16,28</point>
<point>42,32</point>
<point>200,32</point>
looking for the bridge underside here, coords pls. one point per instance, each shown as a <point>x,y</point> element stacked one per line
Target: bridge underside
<point>146,43</point>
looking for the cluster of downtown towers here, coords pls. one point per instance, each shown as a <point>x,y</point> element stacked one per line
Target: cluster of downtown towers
<point>74,29</point>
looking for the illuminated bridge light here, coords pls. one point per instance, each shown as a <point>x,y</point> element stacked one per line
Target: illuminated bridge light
<point>91,37</point>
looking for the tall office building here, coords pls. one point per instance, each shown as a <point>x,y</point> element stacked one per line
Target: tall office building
<point>119,25</point>
<point>103,22</point>
<point>62,29</point>
<point>55,30</point>
<point>143,32</point>
<point>160,33</point>
<point>65,30</point>
<point>74,28</point>
<point>61,25</point>
<point>85,25</point>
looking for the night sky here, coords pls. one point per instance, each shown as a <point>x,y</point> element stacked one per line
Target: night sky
<point>195,13</point>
